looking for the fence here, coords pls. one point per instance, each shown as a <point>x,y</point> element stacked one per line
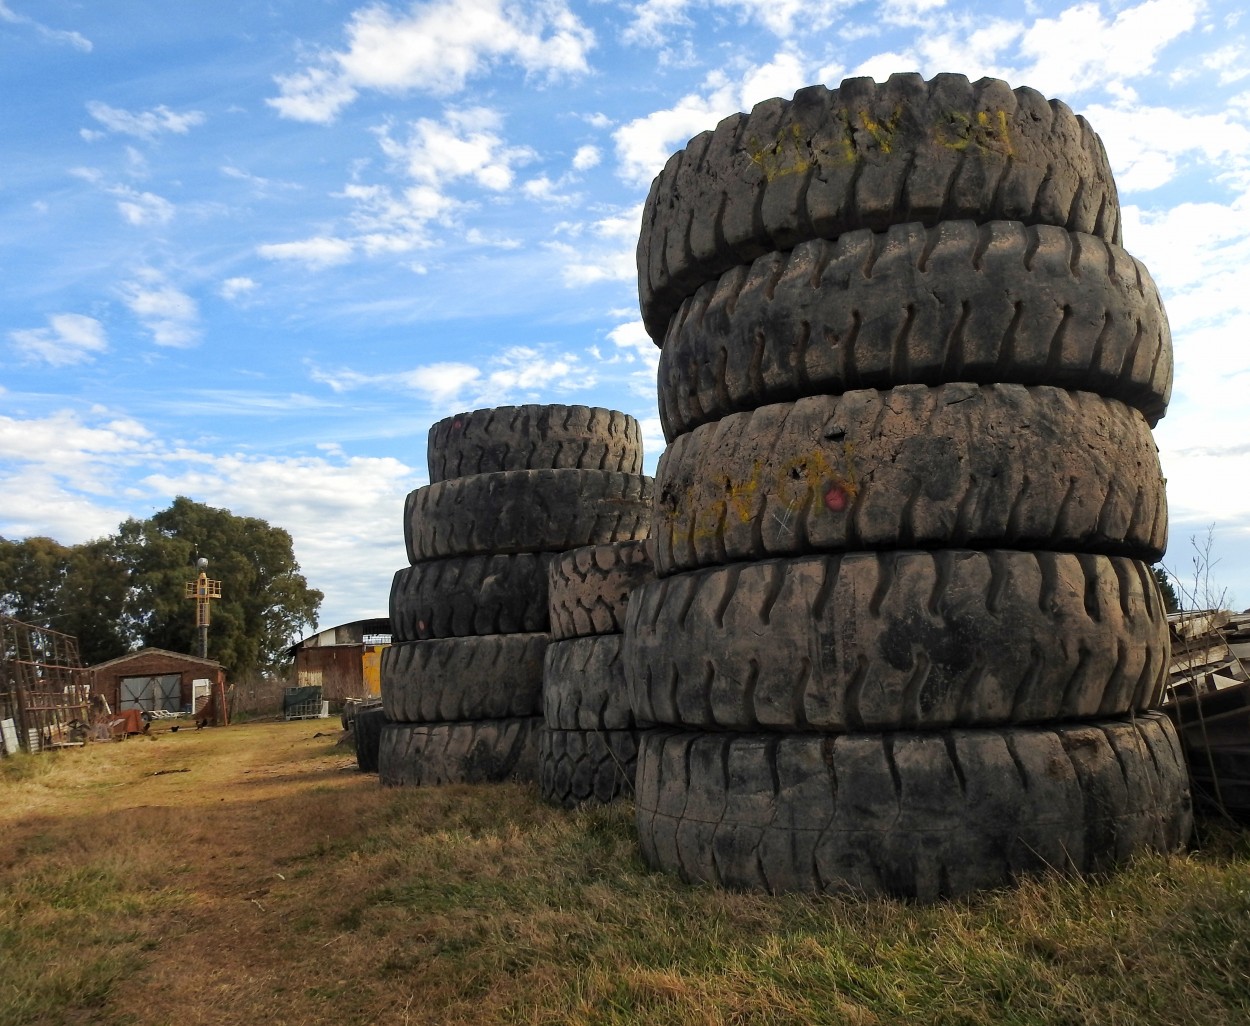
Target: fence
<point>44,688</point>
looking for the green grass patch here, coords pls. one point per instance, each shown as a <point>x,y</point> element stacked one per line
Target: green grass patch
<point>290,896</point>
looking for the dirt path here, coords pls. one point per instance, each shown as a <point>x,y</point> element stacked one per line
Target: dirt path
<point>217,831</point>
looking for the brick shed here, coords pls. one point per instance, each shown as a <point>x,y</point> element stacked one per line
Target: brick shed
<point>343,660</point>
<point>153,679</point>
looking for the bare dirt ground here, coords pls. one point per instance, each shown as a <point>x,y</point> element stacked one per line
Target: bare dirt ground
<point>209,840</point>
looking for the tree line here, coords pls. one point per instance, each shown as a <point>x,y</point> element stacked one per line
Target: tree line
<point>127,591</point>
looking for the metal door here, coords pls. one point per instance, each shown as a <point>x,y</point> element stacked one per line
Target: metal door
<point>152,694</point>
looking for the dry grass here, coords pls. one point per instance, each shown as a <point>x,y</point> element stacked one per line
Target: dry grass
<point>272,883</point>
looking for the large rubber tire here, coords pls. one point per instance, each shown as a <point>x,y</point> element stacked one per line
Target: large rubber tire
<point>534,438</point>
<point>866,155</point>
<point>469,752</point>
<point>578,767</point>
<point>898,640</point>
<point>959,465</point>
<point>584,686</point>
<point>1000,302</point>
<point>526,511</point>
<point>470,595</point>
<point>916,815</point>
<point>589,587</point>
<point>494,676</point>
<point>367,730</point>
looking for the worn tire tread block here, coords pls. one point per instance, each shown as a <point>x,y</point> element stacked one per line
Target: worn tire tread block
<point>897,640</point>
<point>578,767</point>
<point>469,595</point>
<point>589,587</point>
<point>467,752</point>
<point>998,302</point>
<point>866,155</point>
<point>488,677</point>
<point>915,815</point>
<point>533,437</point>
<point>957,465</point>
<point>584,686</point>
<point>525,511</point>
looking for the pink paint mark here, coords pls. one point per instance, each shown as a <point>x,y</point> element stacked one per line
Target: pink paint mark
<point>836,499</point>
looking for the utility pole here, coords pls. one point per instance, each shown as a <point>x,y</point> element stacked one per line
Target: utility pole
<point>202,590</point>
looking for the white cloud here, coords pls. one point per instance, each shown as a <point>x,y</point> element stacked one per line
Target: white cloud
<point>532,372</point>
<point>69,339</point>
<point>142,208</point>
<point>652,17</point>
<point>436,47</point>
<point>39,452</point>
<point>236,288</point>
<point>586,157</point>
<point>1081,48</point>
<point>633,347</point>
<point>145,124</point>
<point>1231,62</point>
<point>783,76</point>
<point>1148,145</point>
<point>261,183</point>
<point>653,442</point>
<point>644,145</point>
<point>390,223</point>
<point>540,188</point>
<point>632,338</point>
<point>910,12</point>
<point>136,208</point>
<point>344,513</point>
<point>169,314</point>
<point>316,253</point>
<point>438,383</point>
<point>477,237</point>
<point>518,373</point>
<point>602,250</point>
<point>74,39</point>
<point>783,18</point>
<point>315,94</point>
<point>465,144</point>
<point>1190,246</point>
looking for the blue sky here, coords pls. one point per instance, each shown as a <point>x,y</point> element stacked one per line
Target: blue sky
<point>250,252</point>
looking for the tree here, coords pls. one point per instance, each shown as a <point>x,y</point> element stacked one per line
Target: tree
<point>1171,603</point>
<point>129,590</point>
<point>31,575</point>
<point>76,590</point>
<point>265,600</point>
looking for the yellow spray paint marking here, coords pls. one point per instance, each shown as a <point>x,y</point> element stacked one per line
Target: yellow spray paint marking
<point>882,131</point>
<point>790,482</point>
<point>988,130</point>
<point>789,154</point>
<point>783,157</point>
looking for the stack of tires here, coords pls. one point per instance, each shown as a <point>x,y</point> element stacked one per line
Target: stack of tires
<point>590,747</point>
<point>510,488</point>
<point>904,637</point>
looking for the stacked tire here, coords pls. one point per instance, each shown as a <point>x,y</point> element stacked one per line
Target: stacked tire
<point>510,488</point>
<point>904,636</point>
<point>589,750</point>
